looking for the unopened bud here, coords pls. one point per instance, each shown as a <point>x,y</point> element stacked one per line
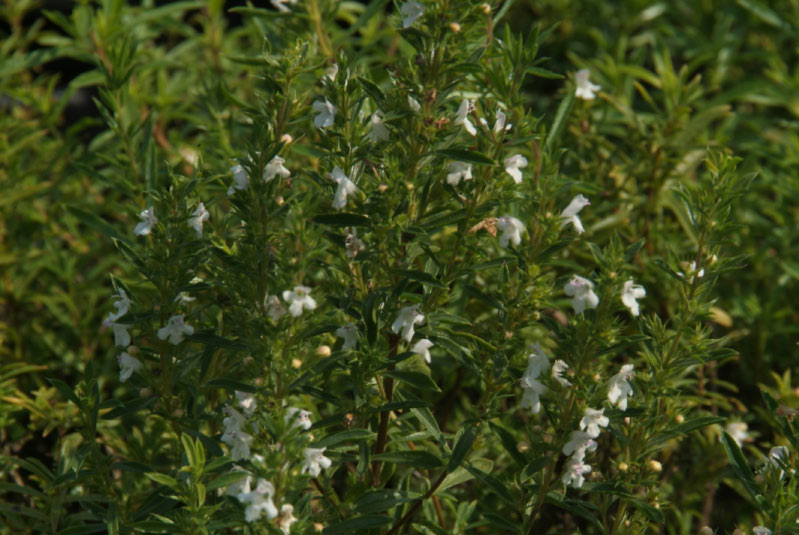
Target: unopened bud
<point>759,479</point>
<point>145,392</point>
<point>627,420</point>
<point>623,467</point>
<point>323,351</point>
<point>409,186</point>
<point>318,527</point>
<point>280,200</point>
<point>713,259</point>
<point>455,27</point>
<point>486,8</point>
<point>707,530</point>
<point>522,447</point>
<point>382,188</point>
<point>536,315</point>
<point>738,532</point>
<point>597,376</point>
<point>296,363</point>
<point>654,466</point>
<point>612,274</point>
<point>679,418</point>
<point>548,215</point>
<point>179,413</point>
<point>656,505</point>
<point>286,138</point>
<point>132,351</point>
<point>627,523</point>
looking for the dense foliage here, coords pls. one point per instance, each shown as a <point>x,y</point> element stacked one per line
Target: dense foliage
<point>438,267</point>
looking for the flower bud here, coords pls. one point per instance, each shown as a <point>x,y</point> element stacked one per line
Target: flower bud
<point>654,466</point>
<point>623,467</point>
<point>738,532</point>
<point>280,201</point>
<point>132,351</point>
<point>612,274</point>
<point>296,363</point>
<point>679,418</point>
<point>286,138</point>
<point>707,530</point>
<point>323,351</point>
<point>627,420</point>
<point>318,527</point>
<point>178,413</point>
<point>145,392</point>
<point>522,447</point>
<point>455,27</point>
<point>409,186</point>
<point>486,8</point>
<point>382,188</point>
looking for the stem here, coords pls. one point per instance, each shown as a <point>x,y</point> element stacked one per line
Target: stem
<point>417,504</point>
<point>542,492</point>
<point>382,432</point>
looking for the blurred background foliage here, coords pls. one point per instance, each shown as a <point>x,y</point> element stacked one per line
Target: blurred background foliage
<point>679,76</point>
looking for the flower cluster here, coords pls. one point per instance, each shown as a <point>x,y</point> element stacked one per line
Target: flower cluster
<point>582,442</point>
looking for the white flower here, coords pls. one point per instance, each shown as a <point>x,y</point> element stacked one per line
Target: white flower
<point>233,420</point>
<point>378,130</point>
<point>345,187</point>
<point>462,117</point>
<point>299,298</point>
<point>174,329</point>
<point>148,219</point>
<point>122,304</point>
<point>585,89</point>
<point>411,11</point>
<point>575,470</point>
<point>499,123</point>
<point>531,396</point>
<point>127,366</point>
<point>240,179</point>
<point>569,214</point>
<point>778,457</point>
<point>121,334</point>
<point>620,388</point>
<point>422,347</point>
<point>458,171</point>
<point>315,461</point>
<point>413,104</point>
<point>183,298</point>
<point>327,113</point>
<point>630,293</point>
<point>260,501</point>
<point>275,168</point>
<point>691,269</point>
<point>558,367</point>
<point>274,308</point>
<point>405,321</point>
<point>196,221</point>
<point>511,229</point>
<point>537,362</point>
<point>280,5</point>
<point>513,166</point>
<point>331,72</point>
<point>579,443</point>
<point>301,418</point>
<point>761,530</point>
<point>286,518</point>
<point>582,292</point>
<point>239,443</point>
<point>737,430</point>
<point>592,420</point>
<point>240,486</point>
<point>350,335</point>
<point>247,402</point>
<point>353,244</point>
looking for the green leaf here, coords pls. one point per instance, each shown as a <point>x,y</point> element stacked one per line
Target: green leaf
<point>686,427</point>
<point>374,91</point>
<point>463,445</point>
<point>380,500</point>
<point>419,380</point>
<point>358,523</point>
<point>84,530</point>
<point>508,442</point>
<point>544,73</point>
<point>739,465</point>
<point>420,276</point>
<point>496,485</point>
<point>226,479</point>
<point>343,220</point>
<point>350,435</point>
<point>480,295</point>
<point>163,479</point>
<point>561,118</point>
<point>399,406</point>
<point>765,13</point>
<point>213,340</point>
<point>468,156</point>
<point>417,458</point>
<point>230,385</point>
<point>427,420</point>
<point>462,475</point>
<point>655,515</point>
<point>131,407</point>
<point>65,391</point>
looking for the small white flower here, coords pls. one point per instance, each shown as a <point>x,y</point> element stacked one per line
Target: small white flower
<point>353,244</point>
<point>233,420</point>
<point>122,304</point>
<point>737,430</point>
<point>778,457</point>
<point>128,366</point>
<point>592,420</point>
<point>247,402</point>
<point>260,501</point>
<point>315,461</point>
<point>301,418</point>
<point>406,319</point>
<point>299,298</point>
<point>413,104</point>
<point>350,335</point>
<point>422,347</point>
<point>241,486</point>
<point>411,11</point>
<point>174,329</point>
<point>462,117</point>
<point>327,113</point>
<point>511,229</point>
<point>331,72</point>
<point>274,308</point>
<point>579,443</point>
<point>240,179</point>
<point>537,362</point>
<point>620,387</point>
<point>280,5</point>
<point>630,293</point>
<point>196,220</point>
<point>183,298</point>
<point>558,368</point>
<point>345,187</point>
<point>514,165</point>
<point>531,395</point>
<point>585,89</point>
<point>148,220</point>
<point>582,292</point>
<point>569,214</point>
<point>239,443</point>
<point>761,530</point>
<point>378,130</point>
<point>575,472</point>
<point>121,334</point>
<point>286,518</point>
<point>691,269</point>
<point>275,168</point>
<point>458,171</point>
